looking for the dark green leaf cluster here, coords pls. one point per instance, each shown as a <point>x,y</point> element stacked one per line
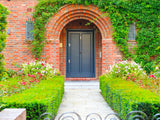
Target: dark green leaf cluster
<point>145,13</point>
<point>126,96</point>
<point>44,97</point>
<point>3,15</point>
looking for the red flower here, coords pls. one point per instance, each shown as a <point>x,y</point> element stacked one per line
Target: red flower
<point>42,64</point>
<point>152,76</point>
<point>140,81</point>
<point>36,58</point>
<point>31,81</point>
<point>133,79</point>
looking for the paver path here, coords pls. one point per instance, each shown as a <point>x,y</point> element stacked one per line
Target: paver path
<point>83,98</point>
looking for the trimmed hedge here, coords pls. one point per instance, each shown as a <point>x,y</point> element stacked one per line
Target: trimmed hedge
<point>44,97</point>
<point>125,96</point>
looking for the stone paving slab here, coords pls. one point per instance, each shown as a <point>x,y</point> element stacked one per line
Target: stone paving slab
<point>83,98</point>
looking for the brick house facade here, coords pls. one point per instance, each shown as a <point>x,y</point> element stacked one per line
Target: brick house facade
<point>57,49</point>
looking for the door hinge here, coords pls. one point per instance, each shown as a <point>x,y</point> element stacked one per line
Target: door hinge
<point>69,44</point>
<point>69,60</point>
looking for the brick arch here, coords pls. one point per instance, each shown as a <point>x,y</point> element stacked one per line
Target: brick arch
<point>70,13</point>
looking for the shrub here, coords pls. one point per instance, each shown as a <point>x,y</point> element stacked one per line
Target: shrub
<point>44,97</point>
<point>39,67</point>
<point>125,96</point>
<point>127,70</point>
<point>3,15</point>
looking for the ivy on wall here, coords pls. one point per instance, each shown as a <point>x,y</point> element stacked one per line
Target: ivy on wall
<point>3,14</point>
<point>145,13</point>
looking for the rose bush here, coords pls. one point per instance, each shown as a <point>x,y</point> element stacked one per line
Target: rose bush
<point>39,68</point>
<point>131,71</point>
<point>127,70</point>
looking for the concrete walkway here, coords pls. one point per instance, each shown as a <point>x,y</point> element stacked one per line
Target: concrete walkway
<point>83,97</point>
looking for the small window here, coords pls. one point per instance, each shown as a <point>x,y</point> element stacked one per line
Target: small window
<point>29,29</point>
<point>132,32</point>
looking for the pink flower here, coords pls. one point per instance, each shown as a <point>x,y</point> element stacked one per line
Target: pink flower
<point>33,76</point>
<point>29,75</point>
<point>23,82</point>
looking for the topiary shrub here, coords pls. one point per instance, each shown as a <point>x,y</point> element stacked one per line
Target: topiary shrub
<point>3,15</point>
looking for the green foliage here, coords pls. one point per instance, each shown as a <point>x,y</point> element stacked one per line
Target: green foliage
<point>125,96</point>
<point>39,68</point>
<point>145,13</point>
<point>3,15</point>
<point>127,70</point>
<point>44,97</point>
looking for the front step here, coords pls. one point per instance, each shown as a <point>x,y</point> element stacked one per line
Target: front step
<point>81,84</point>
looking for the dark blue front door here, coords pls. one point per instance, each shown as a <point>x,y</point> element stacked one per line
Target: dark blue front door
<point>80,54</point>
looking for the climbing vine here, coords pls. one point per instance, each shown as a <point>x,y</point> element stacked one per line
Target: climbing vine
<point>145,13</point>
<point>3,15</point>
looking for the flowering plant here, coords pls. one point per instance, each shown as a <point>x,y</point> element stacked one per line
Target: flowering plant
<point>127,70</point>
<point>39,68</point>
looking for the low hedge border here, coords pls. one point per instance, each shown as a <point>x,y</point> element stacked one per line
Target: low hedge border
<point>44,97</point>
<point>125,96</point>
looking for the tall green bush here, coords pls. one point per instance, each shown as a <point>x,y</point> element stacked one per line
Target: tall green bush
<point>3,15</point>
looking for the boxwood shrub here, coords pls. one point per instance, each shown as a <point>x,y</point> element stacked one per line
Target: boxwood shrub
<point>125,96</point>
<point>44,97</point>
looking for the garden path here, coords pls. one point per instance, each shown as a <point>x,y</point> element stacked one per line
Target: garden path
<point>83,97</point>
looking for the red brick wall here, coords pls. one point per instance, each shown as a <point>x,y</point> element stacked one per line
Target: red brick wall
<point>17,48</point>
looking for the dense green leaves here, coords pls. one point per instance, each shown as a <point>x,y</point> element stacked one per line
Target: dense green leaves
<point>50,92</point>
<point>125,96</point>
<point>145,13</point>
<point>3,15</point>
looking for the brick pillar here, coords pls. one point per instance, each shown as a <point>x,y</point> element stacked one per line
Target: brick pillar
<point>107,54</point>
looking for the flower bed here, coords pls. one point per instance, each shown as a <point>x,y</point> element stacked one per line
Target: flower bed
<point>125,96</point>
<point>131,71</point>
<point>43,97</point>
<point>31,74</point>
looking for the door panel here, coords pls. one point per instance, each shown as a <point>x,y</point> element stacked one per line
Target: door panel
<point>74,52</point>
<point>86,52</point>
<point>80,54</point>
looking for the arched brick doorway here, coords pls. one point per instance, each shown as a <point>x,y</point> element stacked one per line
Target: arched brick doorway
<point>75,17</point>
